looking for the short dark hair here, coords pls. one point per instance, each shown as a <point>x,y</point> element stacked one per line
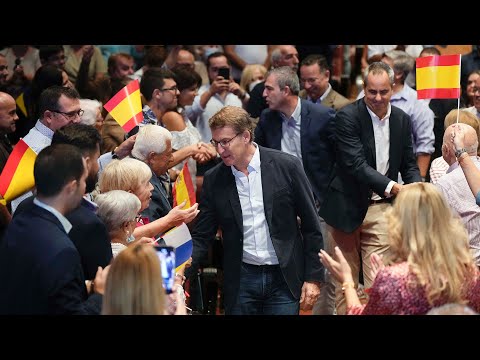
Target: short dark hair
<point>85,137</point>
<point>55,166</point>
<point>46,51</point>
<point>154,78</point>
<point>318,59</point>
<point>50,96</point>
<point>186,77</point>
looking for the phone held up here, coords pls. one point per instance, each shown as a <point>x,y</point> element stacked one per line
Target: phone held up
<point>166,254</point>
<point>225,72</point>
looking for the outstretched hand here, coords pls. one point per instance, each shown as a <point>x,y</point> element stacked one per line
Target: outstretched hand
<point>340,269</point>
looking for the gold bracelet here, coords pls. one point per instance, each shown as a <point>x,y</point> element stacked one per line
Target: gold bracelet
<point>348,284</point>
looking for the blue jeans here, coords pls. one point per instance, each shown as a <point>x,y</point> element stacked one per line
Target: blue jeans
<point>263,291</point>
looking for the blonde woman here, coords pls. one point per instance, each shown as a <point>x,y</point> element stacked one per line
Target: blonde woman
<point>134,285</point>
<point>431,261</point>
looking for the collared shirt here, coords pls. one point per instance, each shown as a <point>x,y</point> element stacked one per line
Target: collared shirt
<point>320,99</point>
<point>214,104</point>
<point>421,116</point>
<point>290,142</point>
<point>149,117</point>
<point>381,132</point>
<point>39,137</point>
<point>63,220</point>
<point>455,188</point>
<point>257,243</point>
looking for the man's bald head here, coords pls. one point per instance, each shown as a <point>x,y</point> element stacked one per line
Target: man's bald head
<point>470,140</point>
<point>8,113</point>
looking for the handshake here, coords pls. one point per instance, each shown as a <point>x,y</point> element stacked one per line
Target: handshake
<point>203,152</point>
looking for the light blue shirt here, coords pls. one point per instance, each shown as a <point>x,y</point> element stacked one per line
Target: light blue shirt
<point>257,243</point>
<point>421,116</point>
<point>290,142</point>
<point>63,220</point>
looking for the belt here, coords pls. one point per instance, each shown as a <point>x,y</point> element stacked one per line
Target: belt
<point>381,201</point>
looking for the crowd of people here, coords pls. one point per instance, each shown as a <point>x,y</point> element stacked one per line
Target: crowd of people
<point>327,199</point>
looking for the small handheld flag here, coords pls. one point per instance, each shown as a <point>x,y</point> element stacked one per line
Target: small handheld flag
<point>126,106</point>
<point>438,77</point>
<point>180,238</point>
<point>17,175</point>
<point>183,189</point>
<point>20,101</point>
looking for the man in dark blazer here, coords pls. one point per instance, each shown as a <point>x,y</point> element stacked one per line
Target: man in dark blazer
<point>259,197</point>
<point>40,268</point>
<point>288,121</point>
<point>89,234</point>
<point>373,144</point>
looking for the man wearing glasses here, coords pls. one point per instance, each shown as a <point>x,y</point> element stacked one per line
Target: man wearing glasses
<point>58,106</point>
<point>256,197</point>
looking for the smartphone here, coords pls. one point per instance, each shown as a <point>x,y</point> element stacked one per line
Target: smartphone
<point>166,254</point>
<point>225,72</point>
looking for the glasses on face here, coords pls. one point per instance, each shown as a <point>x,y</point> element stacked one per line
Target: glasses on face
<point>70,115</point>
<point>223,143</point>
<point>173,88</point>
<point>475,89</point>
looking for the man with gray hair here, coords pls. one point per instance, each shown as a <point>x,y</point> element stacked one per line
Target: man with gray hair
<point>421,116</point>
<point>282,55</point>
<point>454,185</point>
<point>153,146</point>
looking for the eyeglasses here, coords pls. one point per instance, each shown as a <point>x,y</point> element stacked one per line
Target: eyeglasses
<point>173,88</point>
<point>70,115</point>
<point>223,143</point>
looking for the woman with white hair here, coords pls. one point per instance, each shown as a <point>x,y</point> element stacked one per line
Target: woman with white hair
<point>133,176</point>
<point>92,113</point>
<point>118,209</point>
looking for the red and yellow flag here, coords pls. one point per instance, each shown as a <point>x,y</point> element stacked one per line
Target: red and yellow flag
<point>438,77</point>
<point>126,106</point>
<point>17,175</point>
<point>183,189</point>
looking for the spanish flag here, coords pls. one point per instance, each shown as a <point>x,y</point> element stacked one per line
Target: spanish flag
<point>438,77</point>
<point>17,175</point>
<point>183,189</point>
<point>126,106</point>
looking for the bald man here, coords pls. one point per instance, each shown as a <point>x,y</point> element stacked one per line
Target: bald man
<point>8,117</point>
<point>455,188</point>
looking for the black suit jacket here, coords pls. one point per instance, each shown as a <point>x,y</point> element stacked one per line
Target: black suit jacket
<point>159,203</point>
<point>257,102</point>
<point>286,195</point>
<point>355,176</point>
<point>40,269</point>
<point>88,234</point>
<point>317,141</point>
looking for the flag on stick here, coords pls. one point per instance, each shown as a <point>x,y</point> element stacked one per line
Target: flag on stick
<point>183,189</point>
<point>17,175</point>
<point>180,238</point>
<point>438,77</point>
<point>126,106</point>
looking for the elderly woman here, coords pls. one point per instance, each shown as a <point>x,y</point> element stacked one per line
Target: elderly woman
<point>133,175</point>
<point>118,209</point>
<point>92,113</point>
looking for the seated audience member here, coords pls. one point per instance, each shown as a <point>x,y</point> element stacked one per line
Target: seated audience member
<point>133,175</point>
<point>431,261</point>
<point>52,55</point>
<point>134,285</point>
<point>118,209</point>
<point>440,166</point>
<point>472,173</point>
<point>252,75</point>
<point>42,273</point>
<point>92,113</point>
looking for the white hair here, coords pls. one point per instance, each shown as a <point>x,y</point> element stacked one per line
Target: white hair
<point>116,207</point>
<point>90,108</point>
<point>150,138</point>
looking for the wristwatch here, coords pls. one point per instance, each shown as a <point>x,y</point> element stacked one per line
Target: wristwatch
<point>460,152</point>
